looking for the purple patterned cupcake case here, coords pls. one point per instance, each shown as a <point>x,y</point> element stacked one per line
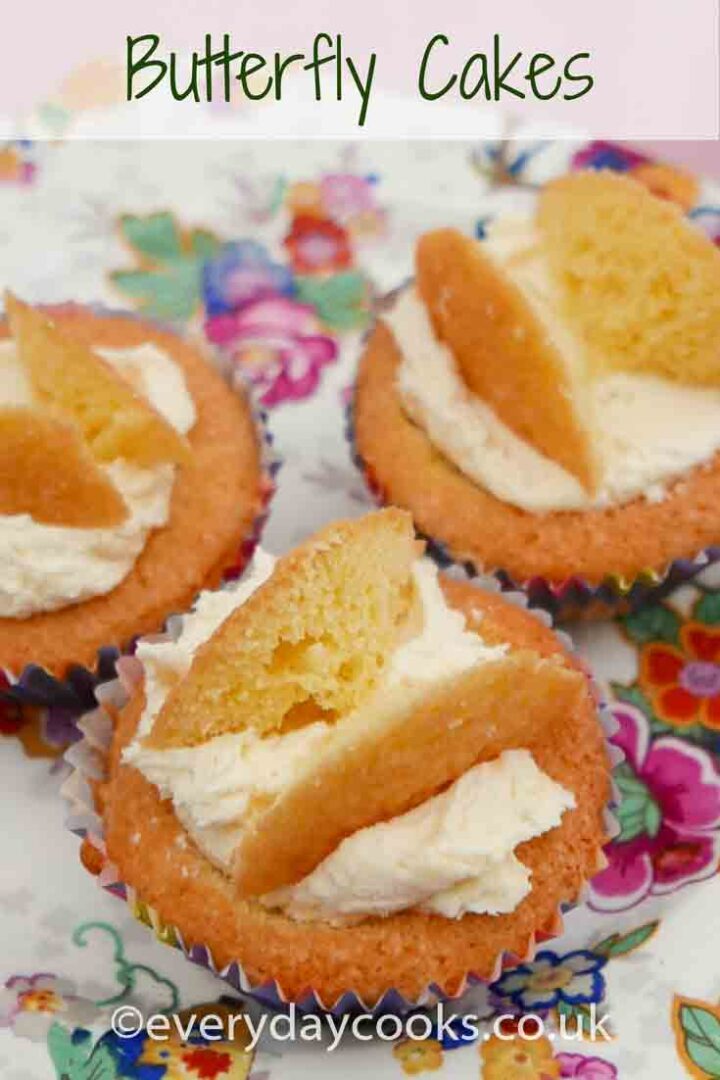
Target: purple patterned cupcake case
<point>41,708</point>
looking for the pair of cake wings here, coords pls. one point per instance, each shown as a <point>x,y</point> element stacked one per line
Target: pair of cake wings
<point>84,415</point>
<point>313,643</point>
<point>638,286</point>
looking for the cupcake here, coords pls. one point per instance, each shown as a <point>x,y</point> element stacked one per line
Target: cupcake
<point>344,776</point>
<point>546,402</point>
<point>131,475</point>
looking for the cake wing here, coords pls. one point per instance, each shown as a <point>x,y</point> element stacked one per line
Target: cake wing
<point>394,755</point>
<point>311,643</point>
<point>67,376</point>
<point>46,471</point>
<point>640,282</point>
<point>506,355</point>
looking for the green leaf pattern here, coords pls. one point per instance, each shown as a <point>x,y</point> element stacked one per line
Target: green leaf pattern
<point>638,813</point>
<point>701,1032</point>
<point>622,944</point>
<point>654,623</point>
<point>341,300</point>
<point>707,609</point>
<point>75,1058</point>
<point>167,281</point>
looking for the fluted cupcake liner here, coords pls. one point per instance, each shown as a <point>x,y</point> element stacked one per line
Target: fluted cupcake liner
<point>87,760</point>
<point>574,597</point>
<point>54,704</point>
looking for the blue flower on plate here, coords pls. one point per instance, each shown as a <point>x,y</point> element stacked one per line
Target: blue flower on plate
<point>575,979</point>
<point>240,274</point>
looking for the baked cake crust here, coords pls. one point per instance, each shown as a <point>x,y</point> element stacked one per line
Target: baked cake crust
<point>75,491</point>
<point>637,280</point>
<point>215,499</point>
<point>406,755</point>
<point>505,353</point>
<point>408,950</point>
<point>476,526</point>
<point>291,644</point>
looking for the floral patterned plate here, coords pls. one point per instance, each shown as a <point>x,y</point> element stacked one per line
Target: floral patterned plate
<point>275,252</point>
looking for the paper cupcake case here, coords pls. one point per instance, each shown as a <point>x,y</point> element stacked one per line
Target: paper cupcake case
<point>87,761</point>
<point>572,598</point>
<point>576,598</point>
<point>53,704</point>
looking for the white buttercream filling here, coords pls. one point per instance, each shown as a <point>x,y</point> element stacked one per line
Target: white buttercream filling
<point>647,431</point>
<point>46,567</point>
<point>452,855</point>
<point>158,378</point>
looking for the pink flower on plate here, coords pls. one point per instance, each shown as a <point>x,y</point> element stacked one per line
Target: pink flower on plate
<point>278,344</point>
<point>345,194</point>
<point>351,200</point>
<point>669,817</point>
<point>586,1068</point>
<point>607,155</point>
<point>31,1004</point>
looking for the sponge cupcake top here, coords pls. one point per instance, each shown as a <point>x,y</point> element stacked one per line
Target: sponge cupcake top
<point>506,352</point>
<point>400,733</point>
<point>638,282</point>
<point>89,450</point>
<point>571,359</point>
<point>74,491</point>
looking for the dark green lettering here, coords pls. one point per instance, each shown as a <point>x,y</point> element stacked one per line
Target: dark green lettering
<point>433,95</point>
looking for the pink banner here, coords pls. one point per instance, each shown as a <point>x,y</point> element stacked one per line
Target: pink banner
<point>621,68</point>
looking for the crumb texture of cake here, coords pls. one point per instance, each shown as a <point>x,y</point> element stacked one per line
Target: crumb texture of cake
<point>398,751</point>
<point>82,581</point>
<point>452,854</point>
<point>647,430</point>
<point>84,478</point>
<point>565,778</point>
<point>71,378</point>
<point>596,314</point>
<point>505,351</point>
<point>268,804</point>
<point>639,282</point>
<point>487,530</point>
<point>310,644</point>
<point>47,473</point>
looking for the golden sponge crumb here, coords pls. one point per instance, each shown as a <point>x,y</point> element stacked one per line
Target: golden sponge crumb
<point>400,751</point>
<point>640,283</point>
<point>311,642</point>
<point>216,498</point>
<point>68,377</point>
<point>47,472</point>
<point>505,353</point>
<point>408,950</point>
